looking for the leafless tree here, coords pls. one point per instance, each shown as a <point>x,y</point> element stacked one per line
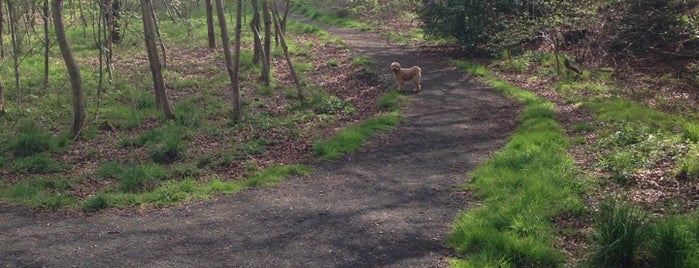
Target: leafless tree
<point>72,67</point>
<point>161,99</point>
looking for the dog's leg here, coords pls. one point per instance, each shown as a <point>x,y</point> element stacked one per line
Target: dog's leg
<point>418,80</point>
<point>400,85</point>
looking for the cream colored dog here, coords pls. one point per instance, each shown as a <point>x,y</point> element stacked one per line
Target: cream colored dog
<point>407,74</point>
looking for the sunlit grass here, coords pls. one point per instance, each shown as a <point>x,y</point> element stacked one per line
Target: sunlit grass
<point>523,187</point>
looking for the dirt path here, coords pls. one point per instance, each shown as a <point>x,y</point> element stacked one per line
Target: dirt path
<point>387,205</point>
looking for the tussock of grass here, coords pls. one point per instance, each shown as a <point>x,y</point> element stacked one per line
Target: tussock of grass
<point>523,187</point>
<point>352,138</point>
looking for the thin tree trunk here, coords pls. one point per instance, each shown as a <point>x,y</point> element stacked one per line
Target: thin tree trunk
<point>109,23</point>
<point>255,27</point>
<point>210,24</point>
<point>161,99</point>
<point>286,52</point>
<point>47,43</point>
<point>2,30</point>
<point>72,67</point>
<point>236,57</point>
<point>161,43</point>
<point>286,15</point>
<point>12,11</point>
<point>116,15</point>
<point>2,100</point>
<point>267,46</point>
<point>235,99</point>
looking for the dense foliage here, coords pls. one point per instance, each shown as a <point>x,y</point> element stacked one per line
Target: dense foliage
<point>630,26</point>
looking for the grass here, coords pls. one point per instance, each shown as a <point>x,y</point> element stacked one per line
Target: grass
<point>522,188</point>
<point>629,140</point>
<point>39,192</point>
<point>161,165</point>
<point>319,16</point>
<point>352,138</point>
<point>188,189</point>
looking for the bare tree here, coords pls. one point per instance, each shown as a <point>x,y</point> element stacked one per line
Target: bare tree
<point>2,100</point>
<point>210,24</point>
<point>47,42</point>
<point>157,31</point>
<point>267,44</point>
<point>2,38</point>
<point>282,41</point>
<point>161,99</point>
<point>255,27</point>
<point>14,35</point>
<point>232,72</point>
<point>72,67</point>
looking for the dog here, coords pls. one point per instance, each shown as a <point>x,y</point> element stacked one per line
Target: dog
<point>407,74</point>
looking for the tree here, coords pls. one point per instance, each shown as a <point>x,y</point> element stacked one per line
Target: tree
<point>282,41</point>
<point>72,67</point>
<point>47,42</point>
<point>232,72</point>
<point>161,99</point>
<point>2,100</point>
<point>267,44</point>
<point>210,24</point>
<point>16,47</point>
<point>2,38</point>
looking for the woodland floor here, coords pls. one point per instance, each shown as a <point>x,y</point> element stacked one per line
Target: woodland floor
<point>390,204</point>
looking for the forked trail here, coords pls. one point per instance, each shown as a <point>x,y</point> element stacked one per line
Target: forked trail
<point>391,204</point>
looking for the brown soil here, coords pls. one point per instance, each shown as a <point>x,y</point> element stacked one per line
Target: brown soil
<point>390,204</point>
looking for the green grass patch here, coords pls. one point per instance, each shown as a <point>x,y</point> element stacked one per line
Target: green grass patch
<point>391,100</point>
<point>317,15</point>
<point>523,187</point>
<point>172,192</point>
<point>350,139</point>
<point>39,193</point>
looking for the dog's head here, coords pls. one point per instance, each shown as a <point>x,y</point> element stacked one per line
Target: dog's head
<point>395,67</point>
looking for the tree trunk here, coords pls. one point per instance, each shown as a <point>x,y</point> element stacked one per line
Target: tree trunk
<point>161,99</point>
<point>228,58</point>
<point>2,100</point>
<point>282,41</point>
<point>255,27</point>
<point>47,43</point>
<point>267,46</point>
<point>2,38</point>
<point>72,67</point>
<point>236,57</point>
<point>12,11</point>
<point>210,24</point>
<point>108,34</point>
<point>160,36</point>
<point>116,15</point>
